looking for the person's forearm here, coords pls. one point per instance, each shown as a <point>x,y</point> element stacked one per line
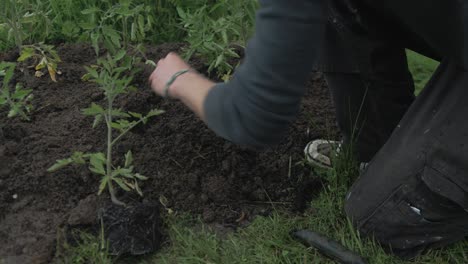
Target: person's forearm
<point>192,89</point>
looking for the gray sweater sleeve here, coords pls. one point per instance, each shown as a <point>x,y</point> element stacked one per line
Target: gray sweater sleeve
<point>263,97</point>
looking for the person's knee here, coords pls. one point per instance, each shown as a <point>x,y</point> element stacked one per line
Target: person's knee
<point>408,220</point>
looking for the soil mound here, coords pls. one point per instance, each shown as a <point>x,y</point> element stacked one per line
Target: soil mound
<point>189,165</point>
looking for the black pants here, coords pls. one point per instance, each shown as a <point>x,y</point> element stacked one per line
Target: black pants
<point>414,194</point>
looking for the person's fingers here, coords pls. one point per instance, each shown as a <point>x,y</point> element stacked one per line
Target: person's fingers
<point>151,77</point>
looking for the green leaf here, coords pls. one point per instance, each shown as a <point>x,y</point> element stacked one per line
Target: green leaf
<point>121,184</point>
<point>20,93</point>
<point>103,184</point>
<point>93,110</point>
<point>150,62</point>
<point>219,60</point>
<point>95,42</point>
<point>136,115</point>
<point>91,10</point>
<point>87,25</point>
<point>78,157</point>
<point>137,188</point>
<point>128,159</point>
<point>112,34</point>
<point>120,54</point>
<point>97,120</point>
<point>92,72</point>
<point>42,64</point>
<point>140,177</point>
<point>141,24</point>
<point>13,111</point>
<point>119,113</point>
<point>59,164</point>
<point>118,126</point>
<point>26,53</point>
<point>97,163</point>
<point>154,112</point>
<point>133,32</point>
<point>181,13</point>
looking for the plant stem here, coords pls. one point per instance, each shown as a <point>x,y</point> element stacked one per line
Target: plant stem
<point>109,150</point>
<point>125,132</point>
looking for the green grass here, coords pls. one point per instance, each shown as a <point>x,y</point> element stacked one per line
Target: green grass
<point>267,239</point>
<point>421,68</point>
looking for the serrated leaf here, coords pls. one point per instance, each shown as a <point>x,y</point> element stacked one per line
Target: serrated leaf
<point>118,126</point>
<point>95,42</point>
<point>13,111</point>
<point>92,72</point>
<point>20,94</point>
<point>93,110</point>
<point>154,112</point>
<point>119,113</point>
<point>42,64</point>
<point>121,184</point>
<point>79,157</point>
<point>97,120</point>
<point>136,115</point>
<point>59,164</point>
<point>219,60</point>
<point>120,54</point>
<point>103,185</point>
<point>127,172</point>
<point>141,177</point>
<point>26,53</point>
<point>97,164</point>
<point>128,159</point>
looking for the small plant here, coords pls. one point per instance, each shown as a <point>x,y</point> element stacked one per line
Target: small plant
<point>134,22</point>
<point>44,56</point>
<point>25,20</point>
<point>215,30</point>
<point>18,100</point>
<point>110,75</point>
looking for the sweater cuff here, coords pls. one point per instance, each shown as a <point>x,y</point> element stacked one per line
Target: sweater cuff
<point>214,108</point>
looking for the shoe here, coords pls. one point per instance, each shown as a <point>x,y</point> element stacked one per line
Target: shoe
<point>319,153</point>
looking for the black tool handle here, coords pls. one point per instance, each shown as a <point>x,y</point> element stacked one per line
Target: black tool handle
<point>328,247</point>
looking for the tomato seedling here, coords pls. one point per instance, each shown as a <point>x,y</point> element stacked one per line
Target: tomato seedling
<point>44,57</point>
<point>111,74</point>
<point>19,99</point>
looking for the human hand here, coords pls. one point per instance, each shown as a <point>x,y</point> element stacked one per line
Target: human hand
<point>165,70</point>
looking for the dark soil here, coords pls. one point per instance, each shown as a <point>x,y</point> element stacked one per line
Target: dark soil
<point>190,166</point>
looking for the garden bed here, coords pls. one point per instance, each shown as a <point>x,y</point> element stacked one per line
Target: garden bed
<point>196,171</point>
